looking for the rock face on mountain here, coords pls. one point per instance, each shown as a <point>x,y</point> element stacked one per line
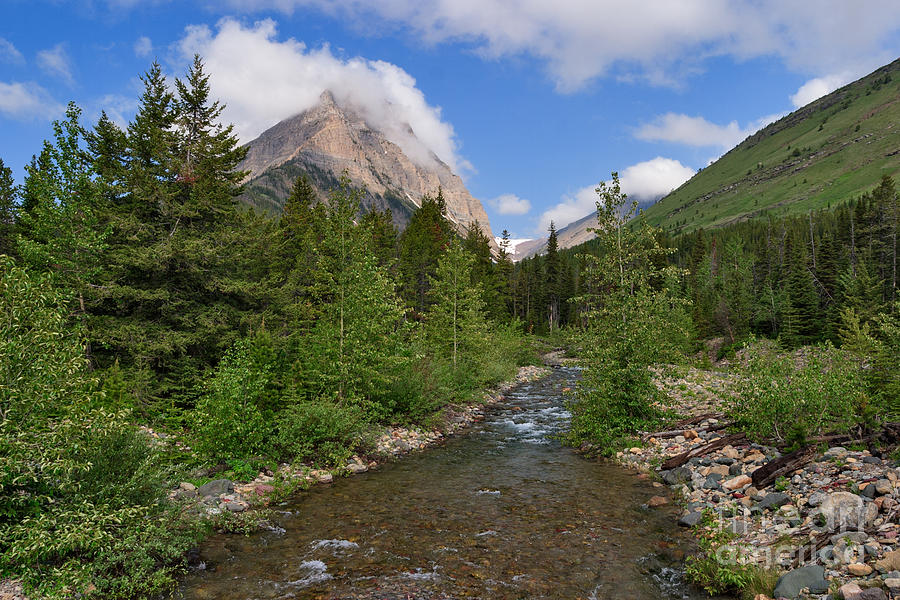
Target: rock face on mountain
<point>327,139</point>
<point>571,235</point>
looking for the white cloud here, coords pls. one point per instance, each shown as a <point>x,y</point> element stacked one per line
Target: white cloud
<point>55,61</point>
<point>510,204</point>
<point>656,40</point>
<point>263,80</point>
<point>698,132</point>
<point>644,181</point>
<point>143,46</point>
<point>818,87</point>
<point>9,53</point>
<point>25,101</point>
<point>118,108</point>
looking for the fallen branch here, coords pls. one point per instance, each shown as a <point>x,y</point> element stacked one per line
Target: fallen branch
<point>772,470</point>
<point>680,459</point>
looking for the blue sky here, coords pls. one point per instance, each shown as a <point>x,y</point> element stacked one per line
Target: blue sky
<point>532,102</point>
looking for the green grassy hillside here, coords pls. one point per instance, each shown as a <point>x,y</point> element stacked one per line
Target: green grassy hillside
<point>818,156</point>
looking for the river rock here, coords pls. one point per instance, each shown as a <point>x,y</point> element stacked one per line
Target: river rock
<point>737,483</point>
<point>713,482</point>
<point>859,569</point>
<point>236,507</point>
<point>884,487</point>
<point>893,584</point>
<point>721,470</point>
<point>677,475</point>
<point>843,511</point>
<point>657,501</point>
<point>869,594</point>
<point>816,499</point>
<point>216,487</point>
<point>690,519</point>
<point>890,562</point>
<point>810,576</point>
<point>848,591</point>
<point>357,468</point>
<point>773,501</point>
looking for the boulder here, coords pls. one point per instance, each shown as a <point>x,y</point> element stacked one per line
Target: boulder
<point>843,511</point>
<point>690,519</point>
<point>811,577</point>
<point>773,501</point>
<point>677,475</point>
<point>216,487</point>
<point>890,562</point>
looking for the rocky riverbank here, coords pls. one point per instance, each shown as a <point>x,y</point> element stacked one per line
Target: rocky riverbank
<point>830,525</point>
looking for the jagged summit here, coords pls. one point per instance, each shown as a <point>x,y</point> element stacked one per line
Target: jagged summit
<point>329,138</point>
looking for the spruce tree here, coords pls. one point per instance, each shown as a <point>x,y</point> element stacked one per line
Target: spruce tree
<point>552,279</point>
<point>421,244</point>
<point>8,195</point>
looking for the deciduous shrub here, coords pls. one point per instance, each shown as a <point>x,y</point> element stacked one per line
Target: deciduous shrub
<point>790,398</point>
<point>320,431</point>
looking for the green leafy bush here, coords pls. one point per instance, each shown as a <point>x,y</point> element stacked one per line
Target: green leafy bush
<point>228,421</point>
<point>321,431</point>
<point>80,488</point>
<point>789,399</point>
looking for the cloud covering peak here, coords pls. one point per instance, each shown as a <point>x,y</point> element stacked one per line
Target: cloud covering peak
<point>263,80</point>
<point>644,181</point>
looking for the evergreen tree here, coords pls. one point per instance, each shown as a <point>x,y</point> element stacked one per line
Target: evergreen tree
<point>632,323</point>
<point>356,346</point>
<point>8,194</point>
<point>552,279</point>
<point>421,244</point>
<point>485,274</point>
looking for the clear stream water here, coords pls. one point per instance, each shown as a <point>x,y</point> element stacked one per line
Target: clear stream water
<point>503,511</point>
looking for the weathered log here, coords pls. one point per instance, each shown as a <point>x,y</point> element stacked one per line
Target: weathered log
<point>772,470</point>
<point>680,459</point>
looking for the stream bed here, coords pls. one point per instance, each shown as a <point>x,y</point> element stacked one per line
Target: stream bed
<point>502,511</point>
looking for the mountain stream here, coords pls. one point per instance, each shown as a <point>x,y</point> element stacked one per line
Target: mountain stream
<point>501,511</point>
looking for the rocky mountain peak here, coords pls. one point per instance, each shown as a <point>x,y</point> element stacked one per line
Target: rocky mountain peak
<point>328,139</point>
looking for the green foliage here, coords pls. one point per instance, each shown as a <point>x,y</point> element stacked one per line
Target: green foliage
<point>321,432</point>
<point>633,318</point>
<point>840,169</point>
<point>8,195</point>
<point>79,487</point>
<point>228,421</point>
<point>717,567</point>
<point>778,399</point>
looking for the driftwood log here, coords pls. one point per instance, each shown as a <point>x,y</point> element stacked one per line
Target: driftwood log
<point>680,459</point>
<point>772,470</point>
